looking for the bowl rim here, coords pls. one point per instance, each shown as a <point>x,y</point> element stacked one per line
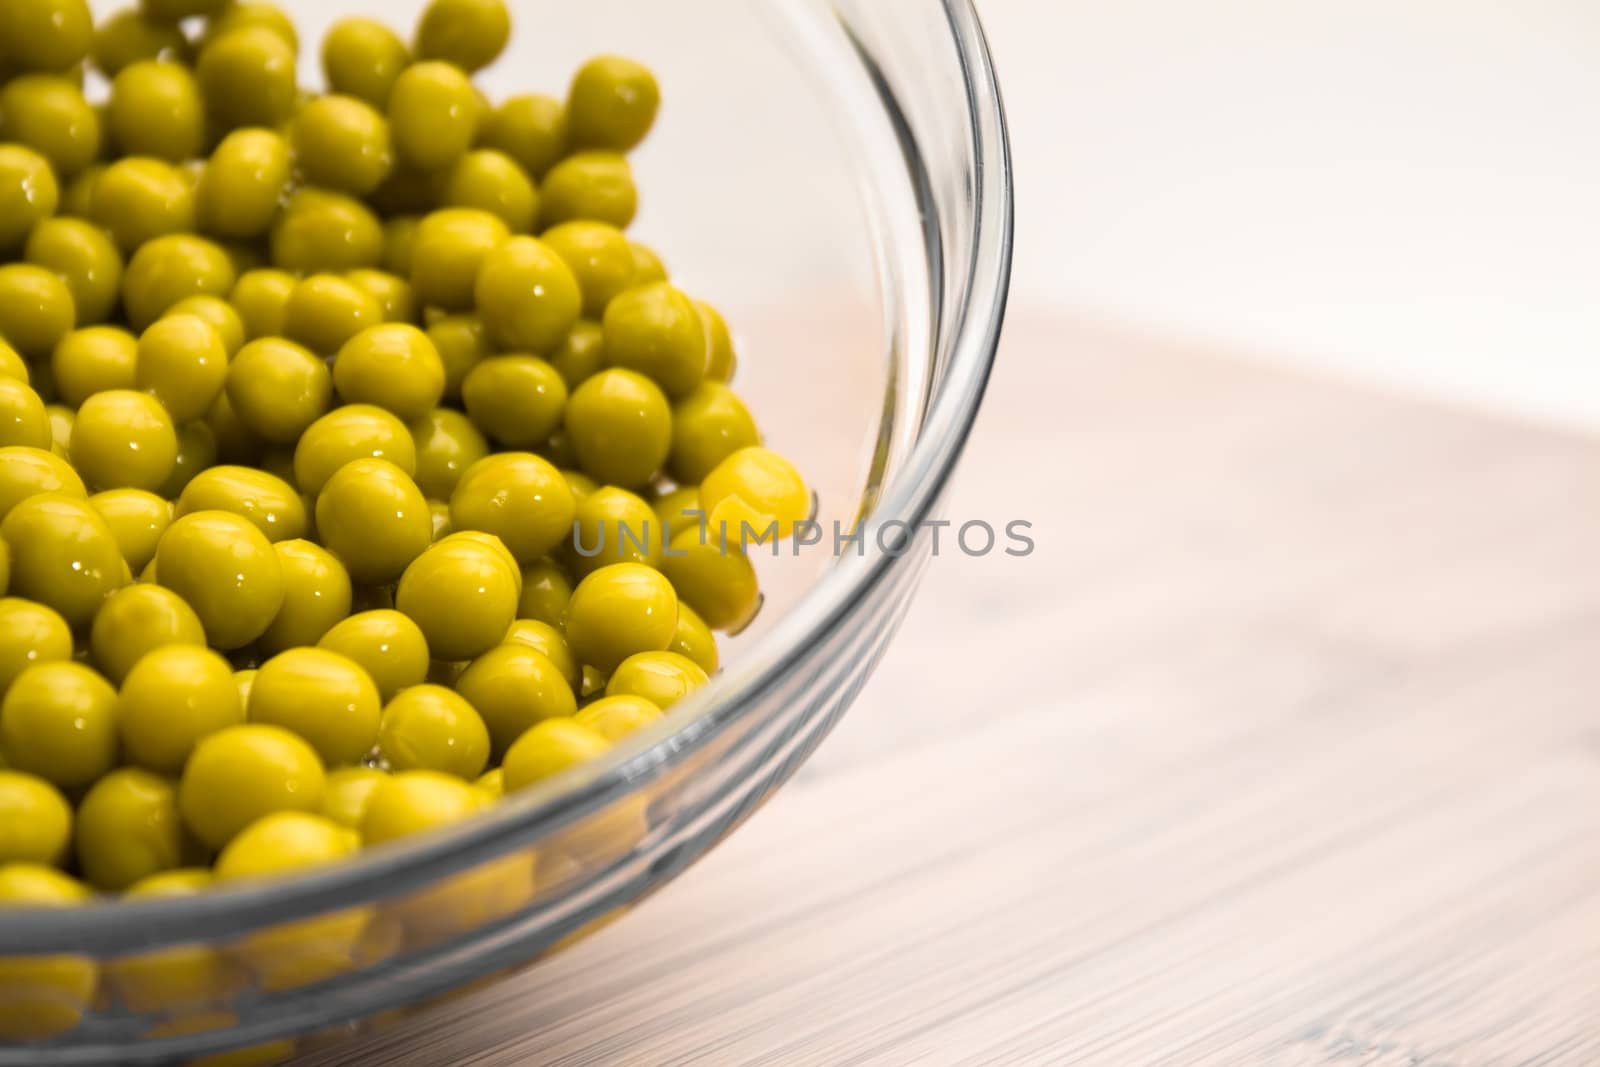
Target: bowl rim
<point>111,927</point>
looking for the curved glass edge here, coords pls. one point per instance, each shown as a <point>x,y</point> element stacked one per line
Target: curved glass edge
<point>973,327</point>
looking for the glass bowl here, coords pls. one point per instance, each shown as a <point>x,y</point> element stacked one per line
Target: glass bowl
<point>835,176</point>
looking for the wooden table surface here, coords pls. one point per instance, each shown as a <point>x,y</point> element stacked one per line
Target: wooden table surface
<point>1282,749</point>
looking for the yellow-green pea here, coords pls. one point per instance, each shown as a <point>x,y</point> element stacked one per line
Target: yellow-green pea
<point>518,497</point>
<point>48,113</point>
<point>168,269</point>
<point>663,678</point>
<point>22,416</point>
<point>156,111</point>
<point>611,103</point>
<point>348,791</point>
<point>527,296</point>
<point>618,611</point>
<point>63,555</point>
<point>128,828</point>
<point>549,640</point>
<point>399,240</point>
<point>429,727</point>
<point>197,451</point>
<point>216,313</point>
<point>183,363</point>
<point>268,502</point>
<point>599,256</point>
<point>138,199</point>
<point>12,365</point>
<point>392,292</point>
<point>549,748</point>
<point>228,572</point>
<point>59,721</point>
<point>694,640</point>
<point>531,129</point>
<point>321,230</point>
<point>277,389</point>
<point>433,114</point>
<point>462,594</point>
<point>513,687</point>
<point>36,309</point>
<point>342,142</point>
<point>754,487</point>
<point>26,471</point>
<point>462,344</point>
<point>242,773</point>
<point>492,181</point>
<point>316,596</point>
<point>581,354</point>
<point>77,196</point>
<point>35,820</point>
<point>240,189</point>
<point>323,697</point>
<point>173,698</point>
<point>468,33</point>
<point>30,633</point>
<point>612,525</point>
<point>61,420</point>
<point>393,366</point>
<point>374,518</point>
<point>678,509</point>
<point>388,645</point>
<point>620,426</point>
<point>354,431</point>
<point>135,621</point>
<point>93,360</point>
<point>517,400</point>
<point>708,425</point>
<point>137,520</point>
<point>657,331</point>
<point>130,36</point>
<point>238,14</point>
<point>589,185</point>
<point>448,253</point>
<point>546,589</point>
<point>447,443</point>
<point>86,259</point>
<point>721,360</point>
<point>261,297</point>
<point>29,192</point>
<point>714,576</point>
<point>124,439</point>
<point>325,311</point>
<point>615,717</point>
<point>248,77</point>
<point>647,266</point>
<point>362,57</point>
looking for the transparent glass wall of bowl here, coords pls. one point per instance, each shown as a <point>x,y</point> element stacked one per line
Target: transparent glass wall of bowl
<point>820,173</point>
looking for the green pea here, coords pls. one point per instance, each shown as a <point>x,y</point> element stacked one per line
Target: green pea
<point>362,58</point>
<point>47,35</point>
<point>528,298</point>
<point>86,258</point>
<point>531,129</point>
<point>49,114</point>
<point>468,33</point>
<point>342,142</point>
<point>492,181</point>
<point>517,400</point>
<point>320,230</point>
<point>130,36</point>
<point>156,110</point>
<point>28,193</point>
<point>612,103</point>
<point>592,185</point>
<point>248,78</point>
<point>240,189</point>
<point>433,115</point>
<point>139,199</point>
<point>621,427</point>
<point>36,309</point>
<point>169,269</point>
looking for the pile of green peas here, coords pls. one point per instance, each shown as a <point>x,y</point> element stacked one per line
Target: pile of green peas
<point>355,463</point>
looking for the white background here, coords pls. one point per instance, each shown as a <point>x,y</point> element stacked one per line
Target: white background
<point>1401,190</point>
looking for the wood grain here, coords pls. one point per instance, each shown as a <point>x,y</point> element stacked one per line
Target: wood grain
<point>1283,748</point>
